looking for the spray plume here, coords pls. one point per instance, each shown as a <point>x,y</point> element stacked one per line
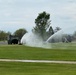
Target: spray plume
<point>31,39</point>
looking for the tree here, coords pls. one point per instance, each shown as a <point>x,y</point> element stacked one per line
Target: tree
<point>3,35</point>
<point>20,32</point>
<point>42,24</point>
<point>74,35</point>
<point>51,31</point>
<point>57,29</point>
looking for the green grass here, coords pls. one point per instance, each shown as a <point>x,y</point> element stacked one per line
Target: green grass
<point>24,52</point>
<point>15,68</point>
<point>65,51</point>
<point>70,46</point>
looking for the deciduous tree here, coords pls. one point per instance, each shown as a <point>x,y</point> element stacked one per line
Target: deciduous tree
<point>20,32</point>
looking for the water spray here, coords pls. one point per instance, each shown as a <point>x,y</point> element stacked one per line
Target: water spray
<point>31,39</point>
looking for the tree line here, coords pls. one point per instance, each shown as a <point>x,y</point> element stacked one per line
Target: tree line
<point>18,33</point>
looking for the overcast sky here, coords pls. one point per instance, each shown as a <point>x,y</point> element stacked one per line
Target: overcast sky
<point>15,14</point>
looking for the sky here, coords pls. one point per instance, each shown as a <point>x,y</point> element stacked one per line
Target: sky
<point>16,14</point>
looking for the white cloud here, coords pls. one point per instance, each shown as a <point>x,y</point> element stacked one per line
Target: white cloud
<point>24,12</point>
<point>7,14</point>
<point>70,10</point>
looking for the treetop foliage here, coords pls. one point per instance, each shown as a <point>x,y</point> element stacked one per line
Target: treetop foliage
<point>42,24</point>
<point>42,21</point>
<point>20,32</point>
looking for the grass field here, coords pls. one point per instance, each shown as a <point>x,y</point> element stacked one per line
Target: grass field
<point>9,68</point>
<point>58,52</point>
<point>23,52</point>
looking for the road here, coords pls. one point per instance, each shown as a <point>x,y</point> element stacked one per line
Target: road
<point>39,61</point>
<point>3,43</point>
